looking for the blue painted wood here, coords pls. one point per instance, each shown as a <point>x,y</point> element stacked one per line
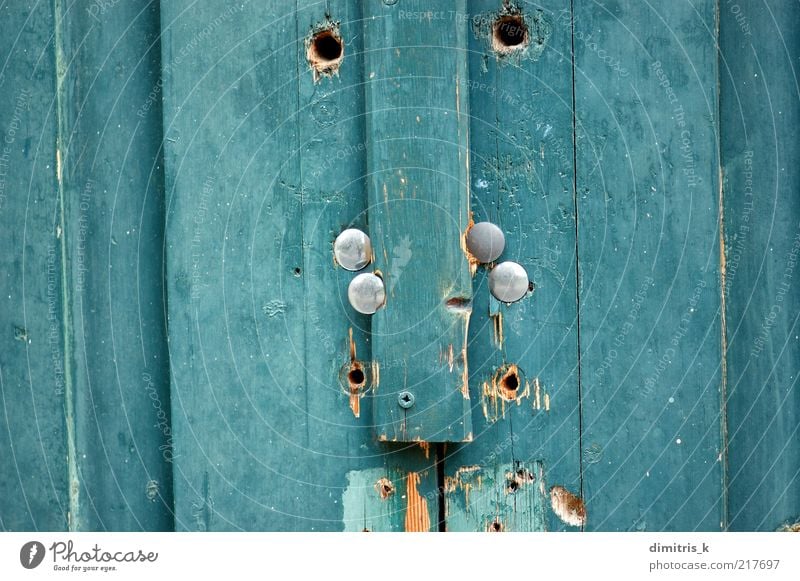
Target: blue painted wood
<point>111,187</point>
<point>648,248</point>
<point>417,127</point>
<point>33,455</point>
<point>263,169</point>
<point>759,108</point>
<point>521,143</point>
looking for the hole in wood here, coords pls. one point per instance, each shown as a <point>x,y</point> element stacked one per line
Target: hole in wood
<point>325,52</point>
<point>356,378</point>
<point>495,527</point>
<point>508,382</point>
<point>385,488</point>
<point>509,33</point>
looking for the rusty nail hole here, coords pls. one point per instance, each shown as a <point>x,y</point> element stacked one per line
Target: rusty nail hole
<point>298,271</point>
<point>509,33</point>
<point>356,378</point>
<point>325,51</point>
<point>513,486</point>
<point>495,527</point>
<point>459,304</point>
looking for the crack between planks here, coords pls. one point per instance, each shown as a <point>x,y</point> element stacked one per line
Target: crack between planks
<point>723,454</point>
<point>73,482</point>
<point>577,252</point>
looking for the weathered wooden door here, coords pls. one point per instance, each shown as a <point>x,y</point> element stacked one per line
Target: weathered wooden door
<point>179,347</point>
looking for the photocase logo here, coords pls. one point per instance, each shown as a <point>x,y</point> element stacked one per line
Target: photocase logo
<point>32,554</point>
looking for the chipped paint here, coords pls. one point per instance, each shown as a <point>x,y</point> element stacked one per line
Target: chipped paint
<point>384,488</point>
<point>497,323</point>
<point>478,496</point>
<point>568,507</point>
<point>417,517</point>
<point>473,262</point>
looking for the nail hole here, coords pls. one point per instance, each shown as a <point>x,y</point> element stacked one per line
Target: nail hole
<point>356,378</point>
<point>508,382</point>
<point>496,527</point>
<point>325,52</point>
<point>297,271</point>
<point>509,33</point>
<point>513,486</point>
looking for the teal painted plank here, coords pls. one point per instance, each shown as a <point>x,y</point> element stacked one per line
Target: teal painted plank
<point>111,185</point>
<point>33,488</point>
<point>263,169</point>
<point>522,180</point>
<point>648,232</point>
<point>417,129</point>
<point>760,115</point>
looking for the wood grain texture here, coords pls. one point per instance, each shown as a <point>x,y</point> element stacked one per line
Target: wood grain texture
<point>33,453</point>
<point>648,233</point>
<point>417,129</point>
<point>759,108</point>
<point>112,196</point>
<point>263,170</point>
<point>522,180</point>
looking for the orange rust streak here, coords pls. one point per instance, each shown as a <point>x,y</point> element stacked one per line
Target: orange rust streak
<point>417,518</point>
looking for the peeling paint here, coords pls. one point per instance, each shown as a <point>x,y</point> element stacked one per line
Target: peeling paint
<point>568,507</point>
<point>417,517</point>
<point>384,488</point>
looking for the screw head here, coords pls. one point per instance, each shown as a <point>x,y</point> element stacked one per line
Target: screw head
<point>405,399</point>
<point>366,293</point>
<point>508,282</point>
<point>352,249</point>
<point>485,241</point>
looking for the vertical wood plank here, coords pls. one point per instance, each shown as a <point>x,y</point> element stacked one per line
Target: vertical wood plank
<point>417,129</point>
<point>522,180</point>
<point>263,169</point>
<point>759,49</point>
<point>648,233</point>
<point>33,489</point>
<point>111,183</point>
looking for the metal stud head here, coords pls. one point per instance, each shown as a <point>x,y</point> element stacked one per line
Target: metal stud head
<point>352,249</point>
<point>366,293</point>
<point>485,242</point>
<point>405,399</point>
<point>508,282</point>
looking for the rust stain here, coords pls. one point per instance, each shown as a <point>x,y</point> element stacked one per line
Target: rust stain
<point>417,517</point>
<point>568,507</point>
<point>384,488</point>
<point>426,447</point>
<point>356,381</point>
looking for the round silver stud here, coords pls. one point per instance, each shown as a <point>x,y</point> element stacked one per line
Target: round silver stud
<point>352,249</point>
<point>508,282</point>
<point>366,293</point>
<point>485,242</point>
